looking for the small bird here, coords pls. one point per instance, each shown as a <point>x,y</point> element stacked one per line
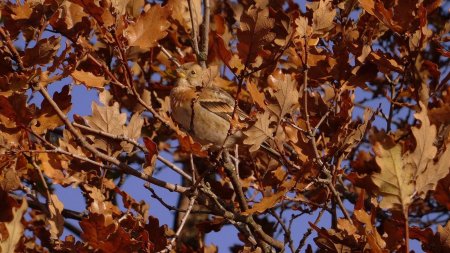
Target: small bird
<point>205,111</point>
<point>202,110</point>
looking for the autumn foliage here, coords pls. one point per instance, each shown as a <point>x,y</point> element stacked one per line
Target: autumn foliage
<point>352,97</point>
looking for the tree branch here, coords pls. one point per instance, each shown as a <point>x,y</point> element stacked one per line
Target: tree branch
<point>136,144</point>
<point>123,167</point>
<point>287,231</point>
<point>231,171</point>
<point>205,33</point>
<point>194,26</point>
<point>16,56</point>
<point>312,137</point>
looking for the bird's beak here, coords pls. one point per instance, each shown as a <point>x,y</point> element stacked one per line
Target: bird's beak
<point>180,73</point>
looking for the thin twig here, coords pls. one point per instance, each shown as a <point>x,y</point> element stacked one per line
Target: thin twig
<point>219,209</point>
<point>75,230</point>
<point>321,121</point>
<point>312,137</point>
<point>333,190</point>
<point>391,108</point>
<point>186,215</point>
<point>136,144</point>
<point>194,171</point>
<point>287,231</point>
<point>265,237</point>
<point>194,25</point>
<point>231,171</point>
<point>129,77</point>
<point>46,189</point>
<point>171,58</point>
<point>205,33</point>
<point>236,160</point>
<point>180,228</point>
<point>309,232</point>
<point>57,150</point>
<point>16,56</point>
<point>406,226</point>
<point>228,165</point>
<point>169,207</point>
<point>105,68</point>
<point>35,204</point>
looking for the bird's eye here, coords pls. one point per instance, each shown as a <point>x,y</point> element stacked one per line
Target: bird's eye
<point>193,72</point>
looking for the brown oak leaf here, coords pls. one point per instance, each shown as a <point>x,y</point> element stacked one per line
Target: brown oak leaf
<point>323,16</point>
<point>42,53</point>
<point>150,27</point>
<point>259,132</point>
<point>255,33</point>
<point>88,79</point>
<point>47,118</point>
<point>286,96</point>
<point>14,229</point>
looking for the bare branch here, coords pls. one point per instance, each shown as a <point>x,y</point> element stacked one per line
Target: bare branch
<point>287,231</point>
<point>194,26</point>
<point>231,171</point>
<point>205,33</point>
<point>136,144</point>
<point>309,232</point>
<point>171,58</point>
<point>188,212</point>
<point>16,56</point>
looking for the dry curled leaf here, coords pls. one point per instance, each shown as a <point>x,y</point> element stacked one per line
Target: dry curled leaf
<point>181,13</point>
<point>88,79</point>
<point>444,237</point>
<point>150,27</point>
<point>323,16</point>
<point>133,131</point>
<point>403,176</point>
<point>107,119</point>
<point>56,220</point>
<point>72,14</point>
<point>286,96</point>
<point>377,8</point>
<point>43,52</point>
<point>254,33</point>
<point>47,118</point>
<point>259,132</point>
<point>269,201</point>
<point>256,95</point>
<point>150,157</point>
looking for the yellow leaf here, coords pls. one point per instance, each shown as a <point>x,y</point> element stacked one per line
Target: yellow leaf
<point>395,182</point>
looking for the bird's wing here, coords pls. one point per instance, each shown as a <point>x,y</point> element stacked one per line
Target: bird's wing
<point>219,102</point>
